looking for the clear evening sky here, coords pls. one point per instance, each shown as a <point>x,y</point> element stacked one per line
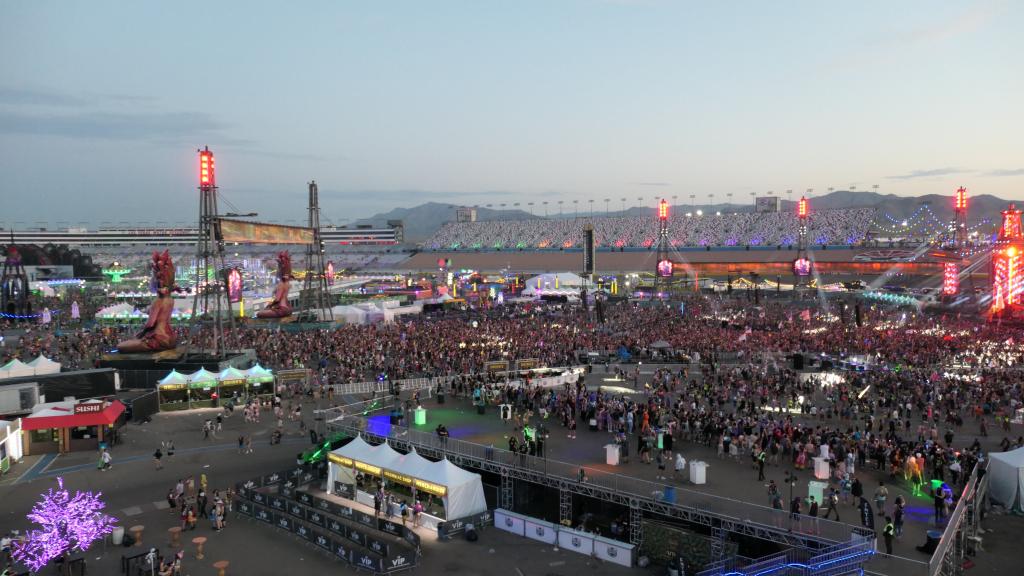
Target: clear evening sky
<point>387,104</point>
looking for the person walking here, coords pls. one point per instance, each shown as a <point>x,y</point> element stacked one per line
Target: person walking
<point>897,515</point>
<point>157,457</point>
<point>832,505</point>
<point>888,532</point>
<point>857,490</point>
<point>812,513</point>
<point>241,443</point>
<point>881,494</point>
<point>376,503</point>
<point>105,459</point>
<point>761,457</point>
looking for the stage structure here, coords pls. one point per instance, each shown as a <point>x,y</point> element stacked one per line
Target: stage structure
<point>951,270</point>
<point>209,300</point>
<point>664,269</point>
<point>314,298</point>
<point>1007,258</point>
<point>802,265</point>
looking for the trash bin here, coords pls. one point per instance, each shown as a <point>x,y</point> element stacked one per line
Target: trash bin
<point>117,536</point>
<point>670,494</point>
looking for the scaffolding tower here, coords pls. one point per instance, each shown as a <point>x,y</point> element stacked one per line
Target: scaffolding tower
<point>314,299</point>
<point>209,297</point>
<point>663,268</point>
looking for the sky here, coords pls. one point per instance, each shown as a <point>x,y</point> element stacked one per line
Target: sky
<point>391,104</point>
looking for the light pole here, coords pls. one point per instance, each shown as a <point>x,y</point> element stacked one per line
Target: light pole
<point>875,188</point>
<point>530,204</point>
<point>591,201</point>
<point>639,201</point>
<point>576,207</point>
<point>606,200</point>
<point>623,207</point>
<point>560,207</point>
<point>545,203</point>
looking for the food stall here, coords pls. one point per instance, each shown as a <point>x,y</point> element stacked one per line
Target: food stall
<point>202,389</point>
<point>172,392</point>
<point>260,381</point>
<point>231,382</point>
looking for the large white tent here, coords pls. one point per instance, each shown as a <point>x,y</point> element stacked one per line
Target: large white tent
<point>16,368</point>
<point>1006,479</point>
<point>463,490</point>
<point>562,283</point>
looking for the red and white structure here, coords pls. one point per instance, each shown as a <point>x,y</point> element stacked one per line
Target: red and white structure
<point>1007,259</point>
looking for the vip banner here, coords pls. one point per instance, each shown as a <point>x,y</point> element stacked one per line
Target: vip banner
<point>274,478</point>
<point>243,507</point>
<point>338,528</point>
<point>378,546</point>
<point>278,503</point>
<point>343,550</point>
<point>365,519</point>
<point>262,514</point>
<point>259,498</point>
<point>305,497</point>
<point>393,528</point>
<point>302,531</point>
<point>322,540</point>
<point>295,509</point>
<point>367,561</point>
<point>397,563</point>
<point>283,521</point>
<point>315,517</point>
<point>356,537</point>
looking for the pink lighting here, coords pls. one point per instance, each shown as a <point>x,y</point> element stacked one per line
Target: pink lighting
<point>67,524</point>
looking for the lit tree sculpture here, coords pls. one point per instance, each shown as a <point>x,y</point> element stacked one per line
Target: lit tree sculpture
<point>68,523</point>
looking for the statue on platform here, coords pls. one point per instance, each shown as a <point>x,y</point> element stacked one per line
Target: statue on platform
<point>279,308</point>
<point>157,335</point>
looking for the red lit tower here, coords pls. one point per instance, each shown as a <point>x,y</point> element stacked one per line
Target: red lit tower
<point>960,213</point>
<point>1007,258</point>
<point>802,264</point>
<point>663,270</point>
<point>209,301</point>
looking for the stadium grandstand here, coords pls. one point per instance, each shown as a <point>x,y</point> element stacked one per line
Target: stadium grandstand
<point>358,235</point>
<point>847,227</point>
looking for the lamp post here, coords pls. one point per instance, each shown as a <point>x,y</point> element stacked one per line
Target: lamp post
<point>545,203</point>
<point>576,207</point>
<point>606,200</point>
<point>623,206</point>
<point>591,201</point>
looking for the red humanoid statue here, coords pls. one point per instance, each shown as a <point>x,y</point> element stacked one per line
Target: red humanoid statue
<point>278,307</point>
<point>157,335</point>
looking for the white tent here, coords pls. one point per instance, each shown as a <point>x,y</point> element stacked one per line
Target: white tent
<point>349,314</point>
<point>465,490</point>
<point>1006,479</point>
<point>563,284</point>
<point>16,368</point>
<point>43,365</point>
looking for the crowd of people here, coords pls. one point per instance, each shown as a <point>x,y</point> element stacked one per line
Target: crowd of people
<point>830,227</point>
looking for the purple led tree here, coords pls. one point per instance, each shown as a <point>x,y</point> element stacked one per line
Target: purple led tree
<point>67,523</point>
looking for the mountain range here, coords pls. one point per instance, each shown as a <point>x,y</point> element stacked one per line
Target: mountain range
<point>423,220</point>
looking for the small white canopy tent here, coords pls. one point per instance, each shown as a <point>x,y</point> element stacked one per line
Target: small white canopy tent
<point>16,368</point>
<point>357,449</point>
<point>202,376</point>
<point>43,365</point>
<point>465,489</point>
<point>1006,479</point>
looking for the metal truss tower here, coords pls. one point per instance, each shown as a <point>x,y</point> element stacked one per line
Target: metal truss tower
<point>314,298</point>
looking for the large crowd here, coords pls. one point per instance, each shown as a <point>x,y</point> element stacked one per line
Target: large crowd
<point>828,227</point>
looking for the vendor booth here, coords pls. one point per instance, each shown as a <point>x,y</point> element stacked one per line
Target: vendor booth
<point>202,389</point>
<point>173,391</point>
<point>71,425</point>
<point>1006,479</point>
<point>459,491</point>
<point>231,382</point>
<point>260,381</point>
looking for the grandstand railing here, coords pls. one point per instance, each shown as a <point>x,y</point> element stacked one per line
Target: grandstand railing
<point>748,513</point>
<point>948,558</point>
<point>429,383</point>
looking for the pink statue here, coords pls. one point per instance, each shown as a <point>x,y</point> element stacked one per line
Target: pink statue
<point>157,335</point>
<point>279,308</point>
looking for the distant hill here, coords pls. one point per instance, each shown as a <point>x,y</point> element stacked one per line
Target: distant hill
<point>423,220</point>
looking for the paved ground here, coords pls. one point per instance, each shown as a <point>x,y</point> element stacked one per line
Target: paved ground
<point>135,492</point>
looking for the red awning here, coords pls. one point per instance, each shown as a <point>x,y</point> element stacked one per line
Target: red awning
<point>108,415</point>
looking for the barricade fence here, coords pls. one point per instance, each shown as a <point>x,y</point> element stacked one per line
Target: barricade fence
<point>429,443</point>
<point>431,382</point>
<point>316,521</point>
<point>948,558</point>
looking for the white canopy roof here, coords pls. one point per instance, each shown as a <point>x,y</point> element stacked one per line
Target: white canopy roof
<point>201,376</point>
<point>43,365</point>
<point>1006,478</point>
<point>465,489</point>
<point>16,368</point>
<point>174,378</point>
